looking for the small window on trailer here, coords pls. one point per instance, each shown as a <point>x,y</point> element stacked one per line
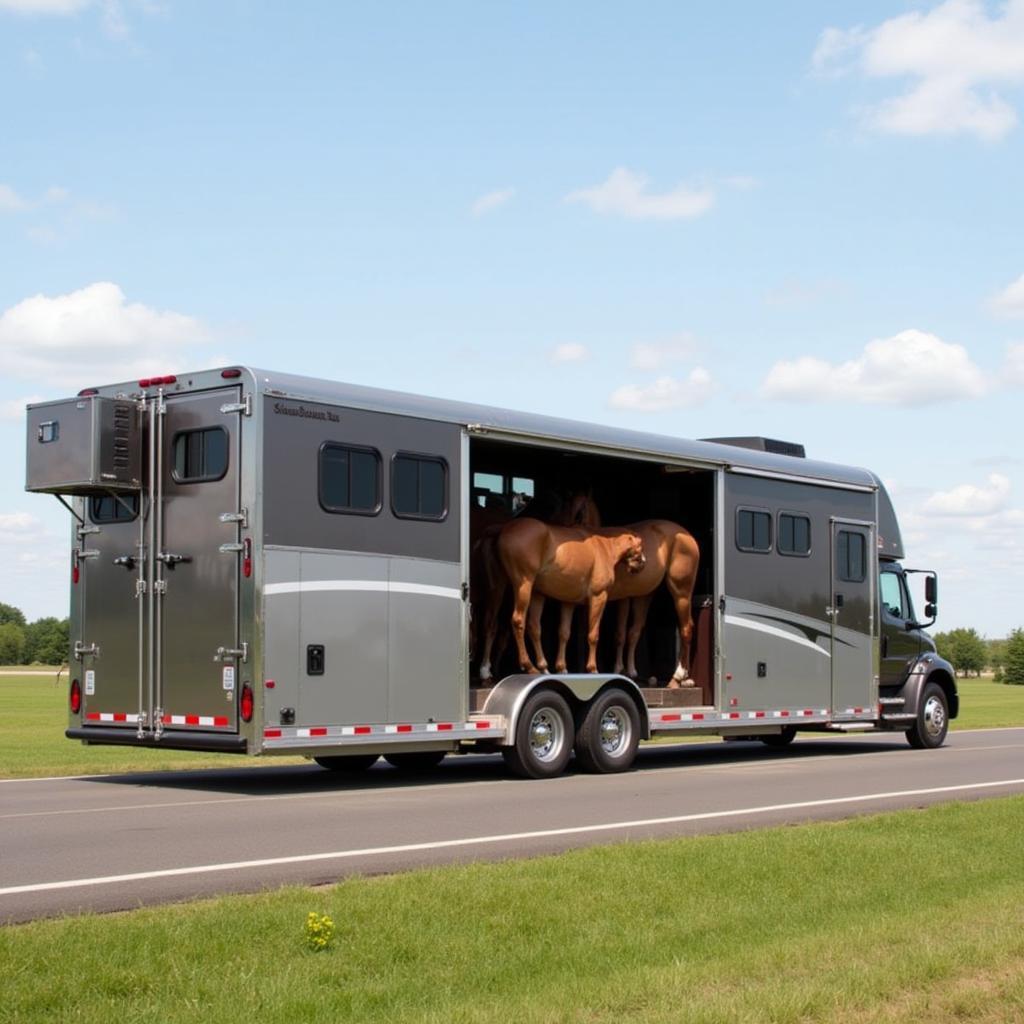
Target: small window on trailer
<point>110,509</point>
<point>851,560</point>
<point>794,534</point>
<point>754,530</point>
<point>349,479</point>
<point>200,455</point>
<point>419,487</point>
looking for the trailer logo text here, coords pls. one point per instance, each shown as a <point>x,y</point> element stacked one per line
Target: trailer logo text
<point>307,414</point>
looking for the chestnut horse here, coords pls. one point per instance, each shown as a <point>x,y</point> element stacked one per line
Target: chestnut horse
<point>569,564</point>
<point>672,557</point>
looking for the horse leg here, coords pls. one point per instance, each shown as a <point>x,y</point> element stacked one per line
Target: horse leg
<point>521,592</point>
<point>597,603</point>
<point>621,619</point>
<point>564,630</point>
<point>533,628</point>
<point>680,577</point>
<point>681,676</point>
<point>641,606</point>
<point>491,612</point>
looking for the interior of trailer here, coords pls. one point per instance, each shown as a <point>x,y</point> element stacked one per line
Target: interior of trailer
<point>508,480</point>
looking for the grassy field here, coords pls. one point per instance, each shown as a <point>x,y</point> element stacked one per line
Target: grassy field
<point>858,921</point>
<point>33,716</point>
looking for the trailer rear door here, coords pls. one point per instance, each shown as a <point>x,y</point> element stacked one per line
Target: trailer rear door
<point>199,562</point>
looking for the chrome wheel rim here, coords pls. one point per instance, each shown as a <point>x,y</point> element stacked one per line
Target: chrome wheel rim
<point>616,731</point>
<point>547,735</point>
<point>934,716</point>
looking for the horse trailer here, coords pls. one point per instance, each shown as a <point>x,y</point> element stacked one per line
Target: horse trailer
<point>269,564</point>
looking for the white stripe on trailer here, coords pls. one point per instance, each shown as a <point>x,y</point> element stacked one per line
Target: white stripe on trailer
<point>366,586</point>
<point>763,627</point>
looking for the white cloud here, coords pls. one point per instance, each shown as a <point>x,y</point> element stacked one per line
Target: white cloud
<point>664,393</point>
<point>492,200</point>
<point>17,523</point>
<point>12,202</point>
<point>570,352</point>
<point>1010,301</point>
<point>956,53</point>
<point>14,408</point>
<point>625,193</point>
<point>654,355</point>
<point>94,335</point>
<point>910,368</point>
<point>970,500</point>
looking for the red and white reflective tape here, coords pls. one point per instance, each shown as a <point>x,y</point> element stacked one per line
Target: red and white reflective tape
<point>216,721</point>
<point>680,718</point>
<point>859,711</point>
<point>111,716</point>
<point>477,728</point>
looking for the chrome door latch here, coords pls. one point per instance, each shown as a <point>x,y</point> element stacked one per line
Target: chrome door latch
<point>225,653</point>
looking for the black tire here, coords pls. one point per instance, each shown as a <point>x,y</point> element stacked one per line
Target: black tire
<point>609,734</point>
<point>415,760</point>
<point>347,762</point>
<point>543,740</point>
<point>780,739</point>
<point>932,722</point>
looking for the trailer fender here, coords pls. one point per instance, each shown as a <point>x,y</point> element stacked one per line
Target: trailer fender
<point>930,668</point>
<point>511,693</point>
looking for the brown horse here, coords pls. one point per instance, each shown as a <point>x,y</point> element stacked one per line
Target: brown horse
<point>488,582</point>
<point>569,564</point>
<point>672,557</point>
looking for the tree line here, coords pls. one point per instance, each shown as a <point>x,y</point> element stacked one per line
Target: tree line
<point>43,642</point>
<point>971,654</point>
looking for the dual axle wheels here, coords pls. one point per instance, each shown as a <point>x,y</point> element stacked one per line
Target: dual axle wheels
<point>605,738</point>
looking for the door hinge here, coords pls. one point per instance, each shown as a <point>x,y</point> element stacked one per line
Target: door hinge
<point>160,586</point>
<point>465,591</point>
<point>224,653</point>
<point>231,548</point>
<point>82,531</point>
<point>241,517</point>
<point>86,650</point>
<point>83,553</point>
<point>140,588</point>
<point>244,406</point>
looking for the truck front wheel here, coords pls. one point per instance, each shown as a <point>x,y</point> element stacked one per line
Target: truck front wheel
<point>543,740</point>
<point>932,722</point>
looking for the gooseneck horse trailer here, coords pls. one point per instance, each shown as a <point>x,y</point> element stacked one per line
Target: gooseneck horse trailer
<point>269,564</point>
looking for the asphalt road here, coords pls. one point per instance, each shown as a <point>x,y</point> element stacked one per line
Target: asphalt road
<point>114,842</point>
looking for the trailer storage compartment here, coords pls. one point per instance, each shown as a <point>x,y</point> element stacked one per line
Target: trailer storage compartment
<point>84,446</point>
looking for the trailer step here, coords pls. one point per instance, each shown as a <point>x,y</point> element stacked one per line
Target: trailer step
<point>886,701</point>
<point>899,716</point>
<point>850,726</point>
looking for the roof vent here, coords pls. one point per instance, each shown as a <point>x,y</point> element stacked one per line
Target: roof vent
<point>762,444</point>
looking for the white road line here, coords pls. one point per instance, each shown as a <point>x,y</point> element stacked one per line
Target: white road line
<point>443,844</point>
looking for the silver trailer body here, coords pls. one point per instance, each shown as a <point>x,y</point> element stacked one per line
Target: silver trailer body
<point>292,573</point>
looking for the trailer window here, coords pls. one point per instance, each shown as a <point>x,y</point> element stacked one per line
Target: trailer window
<point>753,530</point>
<point>200,455</point>
<point>851,564</point>
<point>349,479</point>
<point>794,534</point>
<point>108,509</point>
<point>419,487</point>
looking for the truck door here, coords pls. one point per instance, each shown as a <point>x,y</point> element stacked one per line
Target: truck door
<point>851,610</point>
<point>198,561</point>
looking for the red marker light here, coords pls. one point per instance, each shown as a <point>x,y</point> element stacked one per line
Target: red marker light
<point>246,703</point>
<point>75,697</point>
<point>145,383</point>
<point>86,392</point>
<point>75,571</point>
<point>230,374</point>
<point>247,557</point>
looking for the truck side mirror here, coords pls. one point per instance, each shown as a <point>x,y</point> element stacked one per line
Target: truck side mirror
<point>931,594</point>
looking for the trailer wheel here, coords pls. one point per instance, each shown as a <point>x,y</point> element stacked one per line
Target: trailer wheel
<point>780,739</point>
<point>346,762</point>
<point>415,760</point>
<point>609,734</point>
<point>932,722</point>
<point>543,740</point>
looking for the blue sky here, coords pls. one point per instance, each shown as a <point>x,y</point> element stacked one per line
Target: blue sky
<point>800,220</point>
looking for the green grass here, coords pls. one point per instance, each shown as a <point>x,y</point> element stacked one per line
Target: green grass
<point>33,716</point>
<point>915,916</point>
